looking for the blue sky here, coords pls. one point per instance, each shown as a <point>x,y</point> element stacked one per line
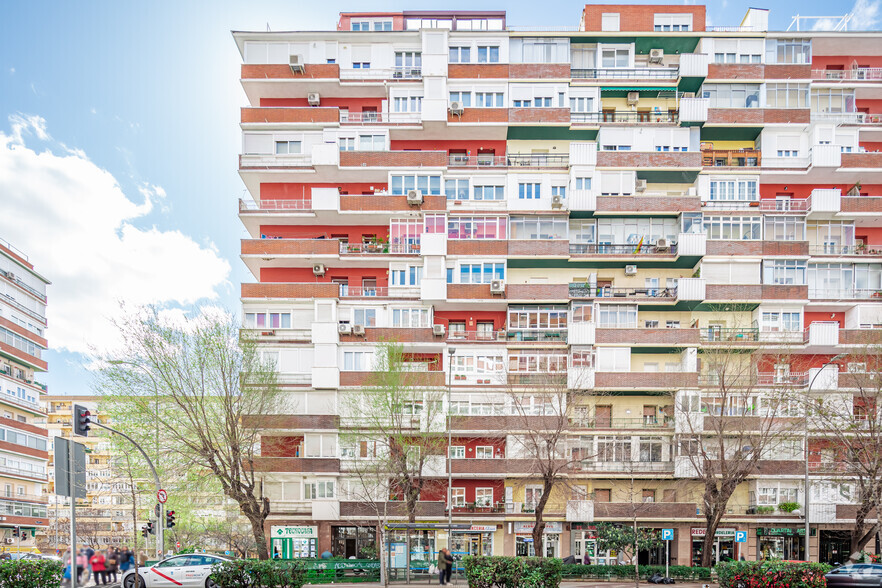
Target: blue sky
<point>119,137</point>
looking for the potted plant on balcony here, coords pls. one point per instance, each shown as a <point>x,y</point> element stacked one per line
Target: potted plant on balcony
<point>788,507</point>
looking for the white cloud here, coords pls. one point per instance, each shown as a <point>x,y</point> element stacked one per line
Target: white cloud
<point>76,224</point>
<point>865,15</point>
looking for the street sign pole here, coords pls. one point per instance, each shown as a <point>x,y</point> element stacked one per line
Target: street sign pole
<point>73,513</point>
<point>667,558</point>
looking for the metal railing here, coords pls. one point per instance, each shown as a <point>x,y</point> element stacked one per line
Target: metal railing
<point>622,249</point>
<point>629,117</point>
<point>21,472</point>
<point>393,73</point>
<point>476,336</point>
<point>844,293</point>
<point>647,422</point>
<point>860,73</point>
<point>480,507</point>
<point>302,204</point>
<point>537,160</point>
<point>759,379</point>
<point>616,73</point>
<point>10,276</point>
<point>627,466</point>
<point>731,157</point>
<point>379,248</point>
<point>586,291</point>
<point>532,335</point>
<point>728,335</point>
<point>729,29</point>
<point>379,117</point>
<point>477,161</point>
<point>347,291</point>
<point>835,249</point>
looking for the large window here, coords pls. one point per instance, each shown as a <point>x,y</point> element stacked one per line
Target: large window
<point>476,227</point>
<point>780,320</point>
<point>733,228</point>
<point>537,227</point>
<point>481,273</point>
<point>651,449</point>
<point>358,361</point>
<point>528,191</point>
<point>408,60</point>
<point>407,104</point>
<point>616,449</point>
<point>489,192</point>
<point>366,317</point>
<point>673,22</point>
<point>540,50</point>
<point>410,317</point>
<point>488,54</point>
<point>457,189</point>
<point>785,228</point>
<point>830,280</point>
<point>617,316</point>
<point>611,58</point>
<point>546,318</point>
<point>784,272</point>
<point>732,95</point>
<point>630,231</point>
<point>460,55</point>
<point>267,320</point>
<point>833,100</point>
<point>789,51</point>
<point>408,276</point>
<point>489,99</point>
<point>745,190</point>
<point>539,362</point>
<point>477,364</point>
<point>787,95</point>
<point>464,97</point>
<point>424,183</point>
<point>314,490</point>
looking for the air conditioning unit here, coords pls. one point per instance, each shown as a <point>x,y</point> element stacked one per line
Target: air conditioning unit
<point>556,201</point>
<point>630,270</point>
<point>633,98</point>
<point>318,269</point>
<point>497,287</point>
<point>456,107</point>
<point>296,63</point>
<point>640,186</point>
<point>414,197</point>
<point>662,245</point>
<point>344,328</point>
<point>358,330</point>
<point>656,55</point>
<point>438,330</point>
<point>313,98</point>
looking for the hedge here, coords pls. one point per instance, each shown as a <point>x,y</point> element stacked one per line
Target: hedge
<point>30,573</point>
<point>627,571</point>
<point>512,572</point>
<point>258,574</point>
<point>771,574</point>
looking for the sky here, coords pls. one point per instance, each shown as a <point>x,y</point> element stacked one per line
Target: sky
<point>119,142</point>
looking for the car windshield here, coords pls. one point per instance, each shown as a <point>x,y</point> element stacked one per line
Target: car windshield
<point>174,562</point>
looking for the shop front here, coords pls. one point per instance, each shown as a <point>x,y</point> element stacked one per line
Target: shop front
<point>584,537</point>
<point>477,540</point>
<point>294,542</point>
<point>780,543</point>
<point>421,554</point>
<point>354,542</point>
<point>723,545</point>
<point>550,539</point>
<point>835,546</point>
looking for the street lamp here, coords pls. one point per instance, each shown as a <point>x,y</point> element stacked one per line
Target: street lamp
<point>450,352</point>
<point>831,361</point>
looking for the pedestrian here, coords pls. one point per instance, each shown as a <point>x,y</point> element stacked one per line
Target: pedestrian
<point>586,559</point>
<point>442,567</point>
<point>88,571</point>
<point>111,565</point>
<point>449,557</point>
<point>327,554</point>
<point>68,570</point>
<point>125,561</point>
<point>97,562</point>
<point>82,564</point>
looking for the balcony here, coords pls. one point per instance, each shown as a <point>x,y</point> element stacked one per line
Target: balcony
<point>762,379</point>
<point>476,336</point>
<point>626,73</point>
<point>465,161</point>
<point>832,249</point>
<point>647,336</point>
<point>730,157</point>
<point>625,250</point>
<point>380,118</point>
<point>861,204</point>
<point>627,117</point>
<point>851,74</point>
<point>253,115</point>
<point>844,293</point>
<point>537,336</point>
<point>712,335</point>
<point>649,159</point>
<point>392,73</point>
<point>383,159</point>
<point>577,290</point>
<point>648,202</point>
<point>275,205</point>
<point>542,160</point>
<point>660,422</point>
<point>379,248</point>
<point>645,380</point>
<point>626,466</point>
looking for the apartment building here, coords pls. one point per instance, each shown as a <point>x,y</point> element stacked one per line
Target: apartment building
<point>616,199</point>
<point>23,441</point>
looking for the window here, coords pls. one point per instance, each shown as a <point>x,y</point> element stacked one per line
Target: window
<point>435,223</point>
<point>745,190</point>
<point>611,58</point>
<point>360,25</point>
<point>581,105</point>
<point>489,193</point>
<point>610,448</point>
<point>314,490</point>
<point>673,22</point>
<point>732,95</point>
<point>617,316</point>
<point>346,143</point>
<point>733,228</point>
<point>270,320</point>
<point>481,273</point>
<point>609,21</point>
<point>786,95</point>
<point>460,55</point>
<point>371,143</point>
<point>649,496</point>
<point>488,54</point>
<point>407,104</point>
<point>361,65</point>
<point>783,272</point>
<point>489,99</point>
<point>672,324</point>
<point>522,103</point>
<point>785,228</point>
<point>457,189</point>
<point>366,317</point>
<point>457,452</point>
<point>788,153</point>
<point>540,50</point>
<point>464,97</point>
<point>582,184</point>
<point>478,227</point>
<point>833,100</point>
<point>483,496</point>
<point>650,449</point>
<point>532,494</point>
<point>457,496</point>
<point>287,147</point>
<point>358,361</point>
<point>484,452</point>
<point>533,318</point>
<point>411,275</point>
<point>477,364</point>
<point>539,227</point>
<point>559,191</point>
<point>528,191</point>
<point>408,62</point>
<point>774,321</point>
<point>426,184</point>
<point>789,51</point>
<point>413,318</point>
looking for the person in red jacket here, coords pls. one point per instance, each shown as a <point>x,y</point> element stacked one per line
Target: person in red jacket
<point>98,568</point>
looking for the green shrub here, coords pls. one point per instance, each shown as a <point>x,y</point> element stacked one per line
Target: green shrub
<point>788,506</point>
<point>771,574</point>
<point>765,509</point>
<point>592,571</point>
<point>258,574</point>
<point>512,572</point>
<point>30,573</point>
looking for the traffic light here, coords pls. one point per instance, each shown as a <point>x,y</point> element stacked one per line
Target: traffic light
<point>144,532</point>
<point>150,528</point>
<point>16,531</point>
<point>82,420</point>
<point>170,519</point>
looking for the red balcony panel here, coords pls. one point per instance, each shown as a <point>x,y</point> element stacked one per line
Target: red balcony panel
<point>648,203</point>
<point>396,509</point>
<point>864,160</point>
<point>784,292</point>
<point>281,290</point>
<point>735,116</point>
<point>789,72</point>
<point>296,464</point>
<point>281,71</point>
<point>787,115</point>
<point>393,159</point>
<point>539,115</point>
<point>477,247</point>
<point>382,202</point>
<point>860,336</point>
<point>639,159</point>
<point>739,292</point>
<point>293,422</point>
<point>290,246</point>
<point>861,203</point>
<point>290,115</point>
<point>535,71</point>
<point>734,248</point>
<point>552,247</point>
<point>379,334</point>
<point>25,357</point>
<point>666,380</point>
<point>480,115</point>
<point>503,423</point>
<point>478,70</point>
<point>648,336</point>
<point>26,427</point>
<point>544,292</point>
<point>471,292</point>
<point>30,335</point>
<point>785,248</point>
<point>735,71</point>
<point>14,448</point>
<point>648,510</point>
<point>360,379</point>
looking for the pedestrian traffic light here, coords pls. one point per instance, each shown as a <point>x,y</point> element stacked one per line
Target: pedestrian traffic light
<point>170,519</point>
<point>16,531</point>
<point>144,532</point>
<point>82,420</point>
<point>150,528</point>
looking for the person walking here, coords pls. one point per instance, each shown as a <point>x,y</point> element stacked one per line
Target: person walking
<point>82,563</point>
<point>442,567</point>
<point>97,562</point>
<point>111,564</point>
<point>125,559</point>
<point>87,573</point>
<point>449,557</point>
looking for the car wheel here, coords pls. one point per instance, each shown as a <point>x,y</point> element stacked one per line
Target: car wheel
<point>209,583</point>
<point>129,582</point>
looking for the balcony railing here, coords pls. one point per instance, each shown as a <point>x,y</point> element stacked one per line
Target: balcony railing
<point>627,73</point>
<point>760,379</point>
<point>393,73</point>
<point>379,248</point>
<point>537,160</point>
<point>647,422</point>
<point>730,157</point>
<point>303,204</point>
<point>367,118</point>
<point>455,160</point>
<point>529,335</point>
<point>479,507</point>
<point>481,336</point>
<point>860,73</point>
<point>626,249</point>
<point>585,291</point>
<point>730,29</point>
<point>835,249</point>
<point>844,293</point>
<point>627,466</point>
<point>726,335</point>
<point>628,117</point>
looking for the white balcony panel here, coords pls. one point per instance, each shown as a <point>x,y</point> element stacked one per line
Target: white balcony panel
<point>325,510</point>
<point>581,333</point>
<point>694,65</point>
<point>325,333</point>
<point>692,244</point>
<point>687,467</point>
<point>583,154</point>
<point>433,244</point>
<point>694,109</point>
<point>325,377</point>
<point>325,199</point>
<point>826,156</point>
<point>582,200</point>
<point>326,154</point>
<point>826,200</point>
<point>823,334</point>
<point>826,378</point>
<point>691,288</point>
<point>580,378</point>
<point>580,511</point>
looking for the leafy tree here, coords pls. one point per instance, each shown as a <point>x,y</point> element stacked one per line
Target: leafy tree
<point>628,539</point>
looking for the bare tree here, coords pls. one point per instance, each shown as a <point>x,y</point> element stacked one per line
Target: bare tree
<point>740,417</point>
<point>847,435</point>
<point>199,378</point>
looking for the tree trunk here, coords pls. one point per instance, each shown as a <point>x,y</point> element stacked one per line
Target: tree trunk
<point>539,527</point>
<point>636,558</point>
<point>859,539</point>
<point>257,521</point>
<point>707,545</point>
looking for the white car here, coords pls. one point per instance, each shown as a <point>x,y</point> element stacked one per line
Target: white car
<point>185,571</point>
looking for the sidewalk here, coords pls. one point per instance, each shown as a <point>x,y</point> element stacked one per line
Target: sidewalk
<point>564,584</point>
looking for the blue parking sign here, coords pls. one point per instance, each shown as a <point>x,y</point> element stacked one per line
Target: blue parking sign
<point>667,535</point>
<point>740,536</point>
